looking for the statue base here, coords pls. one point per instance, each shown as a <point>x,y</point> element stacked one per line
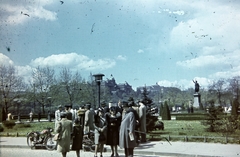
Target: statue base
<point>197,100</point>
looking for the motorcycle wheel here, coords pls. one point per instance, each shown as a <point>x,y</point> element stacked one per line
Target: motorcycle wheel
<point>31,139</point>
<point>50,144</point>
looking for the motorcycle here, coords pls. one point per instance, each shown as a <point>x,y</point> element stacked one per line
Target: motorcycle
<point>42,138</point>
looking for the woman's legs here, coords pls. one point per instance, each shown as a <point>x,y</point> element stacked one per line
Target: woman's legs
<point>64,154</point>
<point>116,151</point>
<point>112,148</point>
<point>101,148</point>
<point>96,149</point>
<point>78,153</point>
<point>130,152</point>
<point>126,152</point>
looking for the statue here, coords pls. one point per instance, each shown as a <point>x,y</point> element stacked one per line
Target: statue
<point>196,86</point>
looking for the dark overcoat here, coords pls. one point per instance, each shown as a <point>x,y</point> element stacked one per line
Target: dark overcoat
<point>113,124</point>
<point>77,137</point>
<point>127,125</point>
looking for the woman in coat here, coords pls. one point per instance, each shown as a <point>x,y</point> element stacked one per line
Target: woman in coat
<point>64,128</point>
<point>127,130</point>
<point>77,137</point>
<point>100,131</point>
<point>113,124</point>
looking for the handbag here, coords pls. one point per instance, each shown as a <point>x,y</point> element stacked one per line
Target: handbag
<point>56,137</point>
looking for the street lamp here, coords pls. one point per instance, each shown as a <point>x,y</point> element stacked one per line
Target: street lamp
<point>98,79</point>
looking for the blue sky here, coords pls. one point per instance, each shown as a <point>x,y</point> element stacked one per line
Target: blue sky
<point>139,41</point>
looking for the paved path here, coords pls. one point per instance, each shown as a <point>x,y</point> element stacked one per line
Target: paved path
<point>156,148</point>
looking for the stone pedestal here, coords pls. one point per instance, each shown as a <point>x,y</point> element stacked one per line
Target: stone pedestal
<point>197,100</point>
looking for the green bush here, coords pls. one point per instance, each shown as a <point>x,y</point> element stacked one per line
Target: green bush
<point>1,128</point>
<point>9,124</point>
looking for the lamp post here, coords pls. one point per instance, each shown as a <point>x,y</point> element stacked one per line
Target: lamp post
<point>98,79</point>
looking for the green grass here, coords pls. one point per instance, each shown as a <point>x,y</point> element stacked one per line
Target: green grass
<point>187,129</point>
<point>23,128</point>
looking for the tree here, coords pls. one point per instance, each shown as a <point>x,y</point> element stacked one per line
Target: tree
<point>166,112</point>
<point>146,99</point>
<point>235,106</point>
<point>11,87</point>
<point>218,88</point>
<point>43,78</point>
<point>70,83</point>
<point>234,87</point>
<point>214,118</point>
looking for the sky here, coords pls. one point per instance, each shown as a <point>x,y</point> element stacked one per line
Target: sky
<point>142,42</point>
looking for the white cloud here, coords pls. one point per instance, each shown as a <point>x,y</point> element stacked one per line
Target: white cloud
<point>185,84</point>
<point>75,61</point>
<point>16,13</point>
<point>25,72</point>
<point>5,60</point>
<point>202,61</point>
<point>140,51</point>
<point>121,57</point>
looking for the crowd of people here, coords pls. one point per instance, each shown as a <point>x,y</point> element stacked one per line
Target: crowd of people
<point>121,124</point>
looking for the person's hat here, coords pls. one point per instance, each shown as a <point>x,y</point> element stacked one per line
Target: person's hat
<point>125,104</point>
<point>88,105</point>
<point>113,108</point>
<point>131,103</point>
<point>130,99</point>
<point>60,106</point>
<point>76,121</point>
<point>63,114</point>
<point>103,102</point>
<point>67,105</point>
<point>100,109</point>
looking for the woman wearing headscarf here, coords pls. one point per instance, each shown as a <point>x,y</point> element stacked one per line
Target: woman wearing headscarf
<point>113,124</point>
<point>64,128</point>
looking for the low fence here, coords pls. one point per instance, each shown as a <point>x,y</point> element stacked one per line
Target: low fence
<point>23,117</point>
<point>226,139</point>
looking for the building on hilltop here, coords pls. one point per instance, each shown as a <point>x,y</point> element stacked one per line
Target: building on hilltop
<point>117,88</point>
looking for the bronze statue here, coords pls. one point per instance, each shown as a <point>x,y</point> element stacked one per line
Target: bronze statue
<point>196,86</point>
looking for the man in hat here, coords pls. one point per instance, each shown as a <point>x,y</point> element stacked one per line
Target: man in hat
<point>68,112</point>
<point>131,104</point>
<point>127,138</point>
<point>89,115</point>
<point>58,115</point>
<point>142,119</point>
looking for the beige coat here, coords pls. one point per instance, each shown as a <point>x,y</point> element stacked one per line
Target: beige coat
<point>64,128</point>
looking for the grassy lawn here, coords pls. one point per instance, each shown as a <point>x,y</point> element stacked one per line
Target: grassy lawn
<point>189,128</point>
<point>178,130</point>
<point>24,128</point>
